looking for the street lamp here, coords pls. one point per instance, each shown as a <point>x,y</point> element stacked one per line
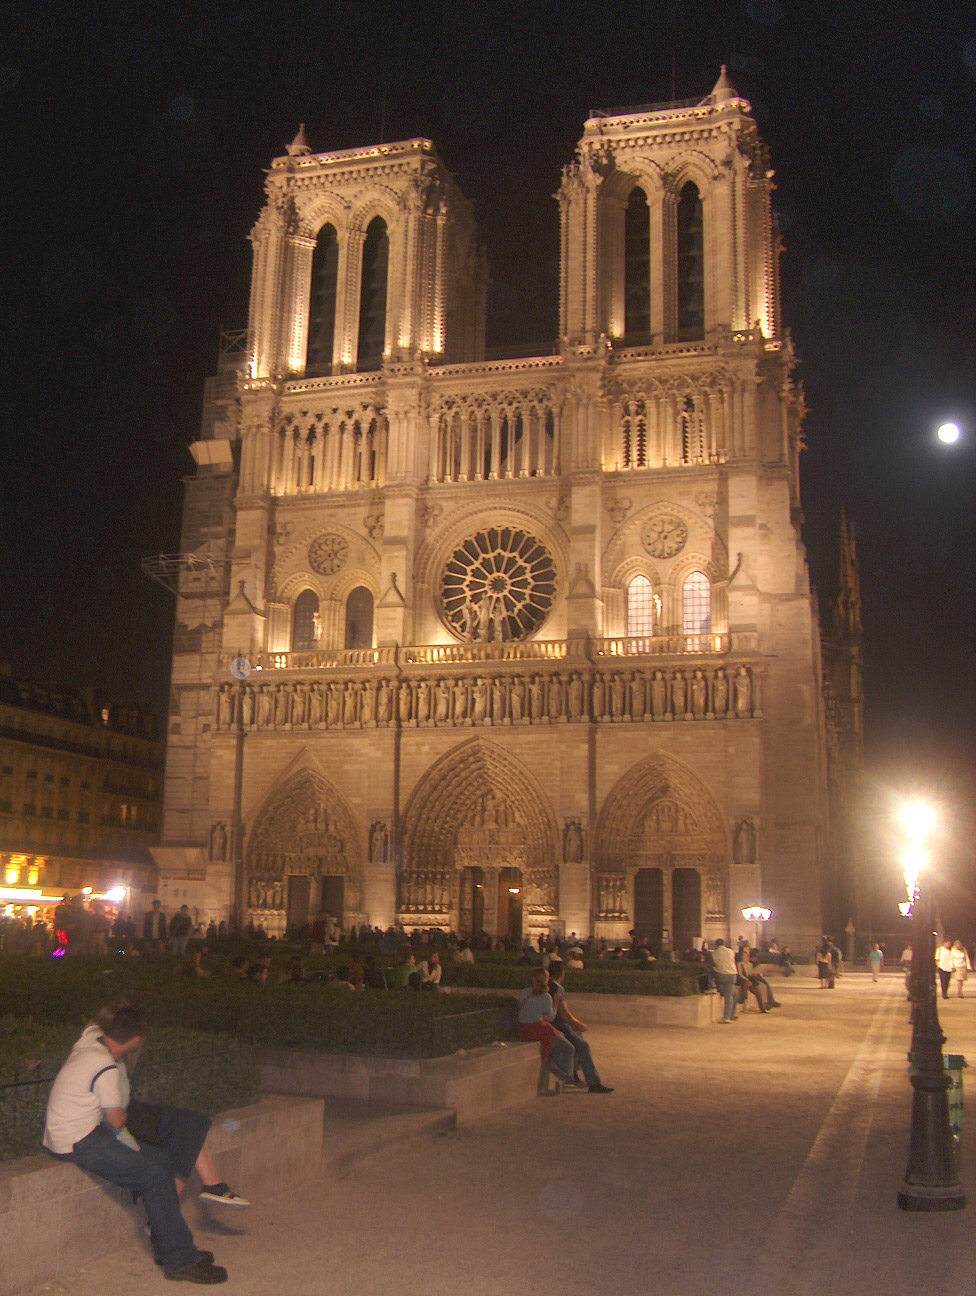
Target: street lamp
<point>948,433</point>
<point>930,1182</point>
<point>758,915</point>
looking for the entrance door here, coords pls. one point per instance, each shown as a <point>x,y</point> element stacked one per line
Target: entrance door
<point>333,896</point>
<point>510,904</point>
<point>686,907</point>
<point>299,901</point>
<point>649,906</point>
<point>471,916</point>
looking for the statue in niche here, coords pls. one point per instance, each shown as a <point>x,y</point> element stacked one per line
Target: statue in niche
<point>745,842</point>
<point>536,703</point>
<point>278,895</point>
<point>366,702</point>
<point>555,697</point>
<point>743,693</point>
<point>497,700</point>
<point>281,706</point>
<point>679,695</point>
<point>599,696</point>
<point>498,621</point>
<point>333,705</point>
<point>349,704</point>
<point>405,701</point>
<point>226,706</point>
<point>518,699</point>
<point>379,843</point>
<point>479,701</point>
<point>618,696</point>
<point>218,842</point>
<point>699,694</point>
<point>575,693</point>
<point>638,694</point>
<point>248,707</point>
<point>659,695</point>
<point>573,845</point>
<point>266,709</point>
<point>460,692</point>
<point>720,692</point>
<point>423,702</point>
<point>714,895</point>
<point>442,703</point>
<point>315,706</point>
<point>383,702</point>
<point>298,706</point>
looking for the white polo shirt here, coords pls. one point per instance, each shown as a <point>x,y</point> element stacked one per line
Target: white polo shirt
<point>86,1085</point>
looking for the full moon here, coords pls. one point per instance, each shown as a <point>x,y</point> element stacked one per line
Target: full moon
<point>948,433</point>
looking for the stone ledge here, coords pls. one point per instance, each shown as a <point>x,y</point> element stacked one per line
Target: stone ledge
<point>55,1218</point>
<point>471,1084</point>
<point>628,1010</point>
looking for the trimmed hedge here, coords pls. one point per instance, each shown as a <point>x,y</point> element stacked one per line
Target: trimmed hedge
<point>183,1068</point>
<point>672,982</point>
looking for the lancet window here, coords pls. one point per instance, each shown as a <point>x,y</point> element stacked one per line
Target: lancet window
<point>696,608</point>
<point>634,435</point>
<point>322,302</point>
<point>372,299</point>
<point>488,443</point>
<point>691,427</point>
<point>359,618</point>
<point>637,270</point>
<point>305,626</point>
<point>691,265</point>
<point>641,608</point>
<point>313,455</point>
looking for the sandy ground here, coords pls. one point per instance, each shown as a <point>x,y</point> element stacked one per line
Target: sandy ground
<point>763,1157</point>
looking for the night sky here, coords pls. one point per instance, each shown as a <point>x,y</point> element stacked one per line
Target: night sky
<point>135,143</point>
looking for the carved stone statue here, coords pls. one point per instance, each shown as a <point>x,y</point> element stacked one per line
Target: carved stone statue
<point>281,706</point>
<point>679,695</point>
<point>226,709</point>
<point>383,702</point>
<point>743,692</point>
<point>315,706</point>
<point>659,696</point>
<point>638,695</point>
<point>405,701</point>
<point>366,703</point>
<point>460,692</point>
<point>349,704</point>
<point>498,700</point>
<point>218,842</point>
<point>298,706</point>
<point>423,702</point>
<point>555,697</point>
<point>618,696</point>
<point>379,843</point>
<point>720,693</point>
<point>442,703</point>
<point>248,707</point>
<point>599,697</point>
<point>333,702</point>
<point>264,708</point>
<point>573,846</point>
<point>536,698</point>
<point>517,699</point>
<point>479,701</point>
<point>745,842</point>
<point>699,694</point>
<point>575,692</point>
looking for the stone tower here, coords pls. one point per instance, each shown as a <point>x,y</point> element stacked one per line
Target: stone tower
<point>533,642</point>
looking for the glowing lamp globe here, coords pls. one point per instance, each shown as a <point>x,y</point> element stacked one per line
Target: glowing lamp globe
<point>948,433</point>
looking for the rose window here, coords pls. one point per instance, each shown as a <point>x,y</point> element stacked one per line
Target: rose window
<point>500,584</point>
<point>328,553</point>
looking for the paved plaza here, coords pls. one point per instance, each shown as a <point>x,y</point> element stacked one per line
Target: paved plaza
<point>761,1158</point>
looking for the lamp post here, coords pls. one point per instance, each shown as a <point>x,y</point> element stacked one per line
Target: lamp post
<point>757,914</point>
<point>930,1182</point>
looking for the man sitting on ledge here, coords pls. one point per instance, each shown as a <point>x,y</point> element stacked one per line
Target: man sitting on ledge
<point>85,1117</point>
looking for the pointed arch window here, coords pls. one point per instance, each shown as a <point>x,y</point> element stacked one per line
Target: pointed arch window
<point>322,302</point>
<point>305,624</point>
<point>372,299</point>
<point>637,269</point>
<point>696,605</point>
<point>359,618</point>
<point>691,265</point>
<point>641,608</point>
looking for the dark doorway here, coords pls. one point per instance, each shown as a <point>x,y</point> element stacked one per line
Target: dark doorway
<point>686,907</point>
<point>333,896</point>
<point>299,901</point>
<point>471,915</point>
<point>510,904</point>
<point>649,906</point>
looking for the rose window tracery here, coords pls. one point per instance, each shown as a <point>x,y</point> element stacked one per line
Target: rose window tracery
<point>328,553</point>
<point>498,585</point>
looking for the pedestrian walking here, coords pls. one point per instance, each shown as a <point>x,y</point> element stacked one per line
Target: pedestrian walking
<point>875,961</point>
<point>943,962</point>
<point>961,965</point>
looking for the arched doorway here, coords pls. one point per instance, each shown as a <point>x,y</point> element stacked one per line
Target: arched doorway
<point>662,858</point>
<point>479,847</point>
<point>302,854</point>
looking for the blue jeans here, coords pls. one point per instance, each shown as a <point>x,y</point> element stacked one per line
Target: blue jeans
<point>725,984</point>
<point>584,1057</point>
<point>149,1176</point>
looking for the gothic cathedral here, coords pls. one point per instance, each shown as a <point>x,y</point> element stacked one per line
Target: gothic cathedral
<point>507,645</point>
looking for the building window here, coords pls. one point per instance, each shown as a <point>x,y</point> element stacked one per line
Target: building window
<point>637,270</point>
<point>372,299</point>
<point>322,303</point>
<point>359,618</point>
<point>641,608</point>
<point>305,622</point>
<point>696,605</point>
<point>691,265</point>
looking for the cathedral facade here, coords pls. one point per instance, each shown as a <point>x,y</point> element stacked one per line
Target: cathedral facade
<point>507,645</point>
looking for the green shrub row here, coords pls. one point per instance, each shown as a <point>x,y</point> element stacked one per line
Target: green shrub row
<point>183,1068</point>
<point>672,982</point>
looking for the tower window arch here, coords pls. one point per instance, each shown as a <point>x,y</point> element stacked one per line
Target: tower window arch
<point>305,624</point>
<point>372,298</point>
<point>691,264</point>
<point>322,301</point>
<point>637,269</point>
<point>696,605</point>
<point>359,618</point>
<point>641,608</point>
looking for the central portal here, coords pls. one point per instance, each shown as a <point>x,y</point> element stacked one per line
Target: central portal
<point>490,902</point>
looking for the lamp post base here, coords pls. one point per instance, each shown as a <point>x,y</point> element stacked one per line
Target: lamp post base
<point>940,1197</point>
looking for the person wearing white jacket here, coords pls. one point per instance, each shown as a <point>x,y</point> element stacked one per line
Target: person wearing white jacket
<point>943,961</point>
